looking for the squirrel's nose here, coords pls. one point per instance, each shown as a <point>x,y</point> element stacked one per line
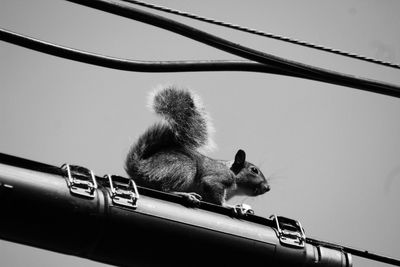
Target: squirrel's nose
<point>265,189</point>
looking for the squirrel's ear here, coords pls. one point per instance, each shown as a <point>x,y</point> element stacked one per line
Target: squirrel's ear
<point>240,159</point>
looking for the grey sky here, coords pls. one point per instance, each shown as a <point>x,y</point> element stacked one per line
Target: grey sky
<point>333,153</point>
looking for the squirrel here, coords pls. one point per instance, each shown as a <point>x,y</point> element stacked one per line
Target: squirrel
<point>166,156</point>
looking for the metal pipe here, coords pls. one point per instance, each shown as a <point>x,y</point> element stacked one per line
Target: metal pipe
<point>39,209</point>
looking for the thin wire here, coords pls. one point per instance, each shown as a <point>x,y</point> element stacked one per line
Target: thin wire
<point>161,66</point>
<point>261,33</point>
<point>290,67</point>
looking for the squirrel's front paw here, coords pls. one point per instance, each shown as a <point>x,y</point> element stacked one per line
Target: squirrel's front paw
<point>192,198</point>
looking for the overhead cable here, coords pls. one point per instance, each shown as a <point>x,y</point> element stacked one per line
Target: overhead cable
<point>153,66</point>
<point>293,68</point>
<point>261,33</point>
<point>135,65</point>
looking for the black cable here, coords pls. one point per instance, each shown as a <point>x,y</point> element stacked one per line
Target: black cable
<point>134,65</point>
<point>162,66</point>
<point>261,33</point>
<point>144,66</point>
<point>356,252</point>
<point>291,67</point>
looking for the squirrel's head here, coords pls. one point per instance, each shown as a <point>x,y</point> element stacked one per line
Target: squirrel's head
<point>250,180</point>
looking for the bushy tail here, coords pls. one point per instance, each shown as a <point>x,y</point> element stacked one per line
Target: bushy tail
<point>185,115</point>
<point>187,126</point>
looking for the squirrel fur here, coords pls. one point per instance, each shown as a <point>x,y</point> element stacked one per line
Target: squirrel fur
<point>166,156</point>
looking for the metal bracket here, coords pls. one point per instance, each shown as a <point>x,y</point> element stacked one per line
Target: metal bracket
<point>243,209</point>
<point>80,180</point>
<point>290,232</point>
<point>123,193</point>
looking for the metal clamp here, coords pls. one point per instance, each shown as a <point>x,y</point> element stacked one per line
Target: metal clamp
<point>244,209</point>
<point>80,180</point>
<point>290,232</point>
<point>122,193</point>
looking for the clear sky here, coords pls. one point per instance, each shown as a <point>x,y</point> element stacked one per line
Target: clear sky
<point>332,153</point>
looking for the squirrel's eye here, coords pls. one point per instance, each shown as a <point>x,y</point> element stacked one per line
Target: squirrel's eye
<point>254,170</point>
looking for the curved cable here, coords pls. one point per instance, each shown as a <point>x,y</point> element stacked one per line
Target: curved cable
<point>155,66</point>
<point>291,68</point>
<point>264,34</point>
<point>135,65</point>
